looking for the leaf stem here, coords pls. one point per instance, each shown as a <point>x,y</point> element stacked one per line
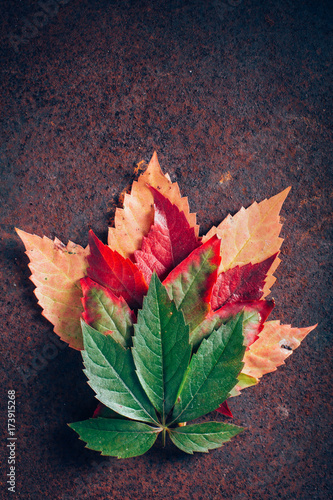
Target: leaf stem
<point>163,437</point>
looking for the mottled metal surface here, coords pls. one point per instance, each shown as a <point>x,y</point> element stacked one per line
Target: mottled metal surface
<point>234,96</point>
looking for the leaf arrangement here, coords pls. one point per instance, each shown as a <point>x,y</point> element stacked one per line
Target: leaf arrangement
<point>170,324</point>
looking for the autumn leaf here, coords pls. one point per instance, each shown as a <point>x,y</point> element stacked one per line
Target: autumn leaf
<point>170,240</point>
<point>251,235</point>
<point>56,272</point>
<point>133,222</point>
<point>276,342</point>
<point>241,283</point>
<point>120,275</point>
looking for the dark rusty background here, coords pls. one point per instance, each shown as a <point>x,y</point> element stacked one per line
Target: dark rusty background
<point>235,98</point>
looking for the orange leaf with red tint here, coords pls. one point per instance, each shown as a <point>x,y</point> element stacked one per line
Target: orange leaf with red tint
<point>133,222</point>
<point>251,235</point>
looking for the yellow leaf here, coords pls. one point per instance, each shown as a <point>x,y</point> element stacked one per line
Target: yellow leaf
<point>56,272</point>
<point>275,343</point>
<point>133,221</point>
<point>252,235</point>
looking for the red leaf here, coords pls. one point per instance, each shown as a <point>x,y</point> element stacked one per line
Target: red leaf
<point>170,240</point>
<point>225,410</point>
<point>120,275</point>
<point>241,283</point>
<point>190,283</point>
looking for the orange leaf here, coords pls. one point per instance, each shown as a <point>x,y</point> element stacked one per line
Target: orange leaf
<point>56,272</point>
<point>275,343</point>
<point>252,235</point>
<point>133,221</point>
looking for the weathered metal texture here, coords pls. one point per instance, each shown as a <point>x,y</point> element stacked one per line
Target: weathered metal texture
<point>234,96</point>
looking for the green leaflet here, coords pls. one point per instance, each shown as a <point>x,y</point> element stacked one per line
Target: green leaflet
<point>203,437</point>
<point>212,372</point>
<point>107,313</point>
<point>213,321</point>
<point>161,349</point>
<point>190,283</point>
<point>116,438</point>
<point>112,376</point>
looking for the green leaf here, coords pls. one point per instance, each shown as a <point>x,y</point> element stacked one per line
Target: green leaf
<point>161,349</point>
<point>111,373</point>
<point>107,313</point>
<point>203,437</point>
<point>190,283</point>
<point>116,438</point>
<point>212,372</point>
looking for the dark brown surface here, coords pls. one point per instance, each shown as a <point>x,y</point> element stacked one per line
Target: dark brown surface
<point>238,93</point>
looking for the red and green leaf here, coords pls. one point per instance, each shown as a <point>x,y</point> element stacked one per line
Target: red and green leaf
<point>170,239</point>
<point>190,283</point>
<point>120,275</point>
<point>255,314</point>
<point>107,313</point>
<point>241,283</point>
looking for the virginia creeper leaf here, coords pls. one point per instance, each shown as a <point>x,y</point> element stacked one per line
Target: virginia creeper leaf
<point>203,437</point>
<point>212,372</point>
<point>161,349</point>
<point>255,314</point>
<point>252,235</point>
<point>111,373</point>
<point>170,239</point>
<point>133,221</point>
<point>241,283</point>
<point>56,271</point>
<point>107,313</point>
<point>110,269</point>
<point>190,283</point>
<point>275,343</point>
<point>116,438</point>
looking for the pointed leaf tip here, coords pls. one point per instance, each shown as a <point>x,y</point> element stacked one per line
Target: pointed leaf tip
<point>251,236</point>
